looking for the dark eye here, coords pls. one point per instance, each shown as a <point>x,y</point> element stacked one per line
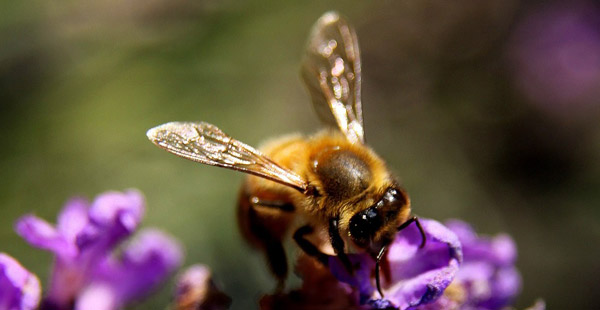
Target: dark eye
<point>364,225</point>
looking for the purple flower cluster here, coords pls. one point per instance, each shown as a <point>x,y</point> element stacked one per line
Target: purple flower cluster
<point>455,270</point>
<point>414,275</point>
<point>487,276</point>
<point>87,273</point>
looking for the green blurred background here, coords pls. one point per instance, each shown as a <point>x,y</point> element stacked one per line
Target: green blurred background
<point>486,110</point>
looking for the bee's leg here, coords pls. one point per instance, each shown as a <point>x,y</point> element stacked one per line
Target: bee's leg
<point>272,246</point>
<point>338,243</point>
<point>307,246</point>
<point>378,259</point>
<point>263,225</point>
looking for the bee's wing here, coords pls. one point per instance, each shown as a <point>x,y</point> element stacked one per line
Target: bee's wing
<point>207,144</point>
<point>331,72</point>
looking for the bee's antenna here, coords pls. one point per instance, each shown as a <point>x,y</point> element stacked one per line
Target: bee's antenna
<point>378,267</point>
<point>421,230</point>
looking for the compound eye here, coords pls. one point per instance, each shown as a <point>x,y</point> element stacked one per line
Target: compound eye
<point>364,225</point>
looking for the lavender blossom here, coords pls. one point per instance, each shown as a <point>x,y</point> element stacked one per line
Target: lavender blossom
<point>412,276</point>
<point>488,274</point>
<point>487,278</point>
<point>142,266</point>
<point>83,240</point>
<point>455,270</point>
<point>417,276</point>
<point>19,289</point>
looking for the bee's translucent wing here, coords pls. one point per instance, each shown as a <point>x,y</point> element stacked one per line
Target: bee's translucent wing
<point>207,144</point>
<point>331,72</point>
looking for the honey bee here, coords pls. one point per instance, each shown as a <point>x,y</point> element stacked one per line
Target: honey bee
<point>330,182</point>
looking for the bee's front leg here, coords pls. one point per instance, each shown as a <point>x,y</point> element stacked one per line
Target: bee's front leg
<point>338,244</point>
<point>307,246</point>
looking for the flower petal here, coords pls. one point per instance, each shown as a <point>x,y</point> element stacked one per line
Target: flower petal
<point>420,275</point>
<point>97,297</point>
<point>487,275</point>
<point>19,289</point>
<point>113,217</point>
<point>72,219</point>
<point>500,250</point>
<point>506,286</point>
<point>68,278</point>
<point>361,279</point>
<point>145,263</point>
<point>128,207</point>
<point>41,234</point>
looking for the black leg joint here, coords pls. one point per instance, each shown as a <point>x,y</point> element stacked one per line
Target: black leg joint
<point>308,247</point>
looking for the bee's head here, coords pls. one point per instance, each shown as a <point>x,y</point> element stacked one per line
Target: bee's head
<point>376,225</point>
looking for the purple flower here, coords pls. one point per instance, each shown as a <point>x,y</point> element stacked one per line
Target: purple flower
<point>416,276</point>
<point>83,240</point>
<point>488,276</point>
<point>455,270</point>
<point>196,290</point>
<point>141,267</point>
<point>19,289</point>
